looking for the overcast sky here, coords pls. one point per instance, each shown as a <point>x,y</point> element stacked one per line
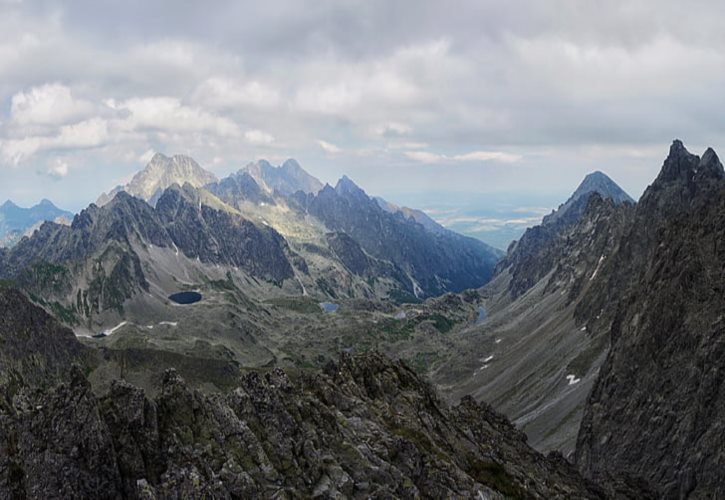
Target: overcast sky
<point>403,96</point>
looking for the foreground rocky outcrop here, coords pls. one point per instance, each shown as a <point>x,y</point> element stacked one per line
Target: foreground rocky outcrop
<point>364,427</point>
<point>656,409</point>
<point>34,349</point>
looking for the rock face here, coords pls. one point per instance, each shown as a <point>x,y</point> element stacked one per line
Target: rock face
<point>16,222</point>
<point>656,409</point>
<point>220,237</point>
<point>532,357</point>
<point>97,263</point>
<point>411,213</point>
<point>161,173</point>
<point>285,179</point>
<point>434,263</point>
<point>34,349</point>
<point>239,188</point>
<point>531,258</point>
<point>365,427</point>
<point>336,243</point>
<point>596,182</point>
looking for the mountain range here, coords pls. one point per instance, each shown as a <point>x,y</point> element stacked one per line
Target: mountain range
<point>597,336</point>
<point>16,222</point>
<point>332,243</point>
<point>161,173</point>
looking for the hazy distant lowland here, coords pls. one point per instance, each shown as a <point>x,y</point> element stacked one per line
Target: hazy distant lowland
<point>496,219</point>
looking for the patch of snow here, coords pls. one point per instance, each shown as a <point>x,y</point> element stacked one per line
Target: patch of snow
<point>169,323</point>
<point>572,379</point>
<point>584,328</point>
<point>115,328</point>
<point>498,341</point>
<point>488,359</point>
<point>417,291</point>
<point>599,264</point>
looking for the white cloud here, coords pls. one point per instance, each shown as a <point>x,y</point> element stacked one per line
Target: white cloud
<point>86,134</point>
<point>480,156</point>
<point>169,114</point>
<point>331,87</point>
<point>58,169</point>
<point>569,87</point>
<point>488,156</point>
<point>407,145</point>
<point>258,137</point>
<point>49,104</point>
<point>145,158</point>
<point>392,129</point>
<point>328,147</point>
<point>425,156</point>
<point>225,93</point>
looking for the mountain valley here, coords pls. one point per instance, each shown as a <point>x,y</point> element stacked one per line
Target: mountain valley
<point>291,289</point>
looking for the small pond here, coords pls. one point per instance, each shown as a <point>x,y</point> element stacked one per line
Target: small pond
<point>481,315</point>
<point>185,298</point>
<point>328,307</point>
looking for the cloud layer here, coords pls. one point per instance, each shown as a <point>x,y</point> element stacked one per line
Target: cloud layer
<point>476,96</point>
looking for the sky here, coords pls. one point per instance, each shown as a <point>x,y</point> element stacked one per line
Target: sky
<point>410,98</point>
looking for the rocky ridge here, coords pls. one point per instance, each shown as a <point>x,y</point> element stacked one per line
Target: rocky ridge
<point>159,174</point>
<point>16,222</point>
<point>285,179</point>
<point>365,427</point>
<point>654,410</point>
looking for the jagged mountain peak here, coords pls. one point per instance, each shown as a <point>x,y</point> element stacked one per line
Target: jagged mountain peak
<point>345,185</point>
<point>682,175</point>
<point>595,182</point>
<point>710,165</point>
<point>602,184</point>
<point>159,174</point>
<point>682,165</point>
<point>286,179</point>
<point>291,164</point>
<point>239,188</point>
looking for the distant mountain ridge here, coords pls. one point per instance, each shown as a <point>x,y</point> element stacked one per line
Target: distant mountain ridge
<point>161,173</point>
<point>412,213</point>
<point>596,182</point>
<point>16,222</point>
<point>259,185</point>
<point>335,243</point>
<point>285,179</point>
<point>435,262</point>
<point>521,258</point>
